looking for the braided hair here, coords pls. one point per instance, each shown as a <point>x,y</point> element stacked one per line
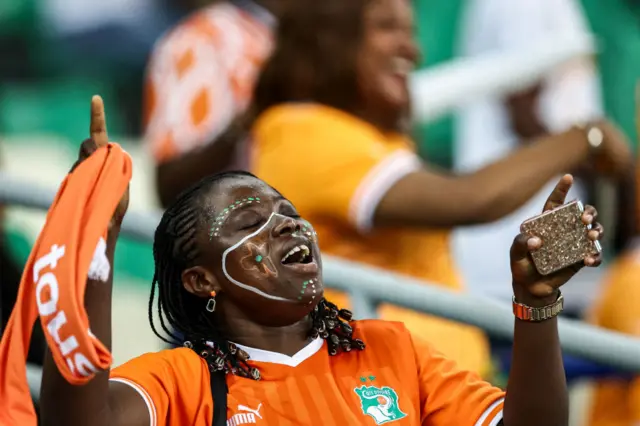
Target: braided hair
<point>182,315</point>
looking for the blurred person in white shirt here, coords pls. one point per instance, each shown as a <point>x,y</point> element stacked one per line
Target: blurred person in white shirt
<point>490,128</point>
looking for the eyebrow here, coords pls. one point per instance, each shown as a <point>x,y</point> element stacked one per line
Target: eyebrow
<point>237,207</point>
<point>242,205</point>
<point>222,216</point>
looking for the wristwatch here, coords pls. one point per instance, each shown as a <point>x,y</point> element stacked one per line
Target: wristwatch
<point>528,313</point>
<point>594,135</point>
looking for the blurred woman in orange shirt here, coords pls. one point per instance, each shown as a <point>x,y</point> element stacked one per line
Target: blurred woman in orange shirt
<point>332,108</point>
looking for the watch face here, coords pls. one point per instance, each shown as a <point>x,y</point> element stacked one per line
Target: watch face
<point>595,137</point>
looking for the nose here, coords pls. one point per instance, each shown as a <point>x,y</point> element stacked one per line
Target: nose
<point>286,227</point>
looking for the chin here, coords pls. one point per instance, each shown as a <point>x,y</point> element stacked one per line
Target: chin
<point>396,111</point>
<point>286,318</point>
<point>398,103</point>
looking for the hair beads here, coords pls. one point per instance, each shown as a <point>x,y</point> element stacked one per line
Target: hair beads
<point>332,324</point>
<point>328,323</point>
<point>220,360</point>
<point>222,216</point>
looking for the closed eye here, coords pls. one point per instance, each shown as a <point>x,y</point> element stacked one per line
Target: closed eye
<point>252,225</point>
<point>248,219</point>
<point>289,211</point>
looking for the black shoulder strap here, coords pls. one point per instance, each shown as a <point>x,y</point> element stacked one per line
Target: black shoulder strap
<point>219,394</point>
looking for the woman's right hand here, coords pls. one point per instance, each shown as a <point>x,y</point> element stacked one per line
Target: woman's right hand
<point>99,138</point>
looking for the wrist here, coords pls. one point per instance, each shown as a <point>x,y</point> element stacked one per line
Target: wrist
<point>529,312</point>
<point>592,137</point>
<point>526,298</point>
<point>113,230</point>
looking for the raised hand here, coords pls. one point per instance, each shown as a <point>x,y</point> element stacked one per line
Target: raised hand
<point>98,139</point>
<point>529,286</point>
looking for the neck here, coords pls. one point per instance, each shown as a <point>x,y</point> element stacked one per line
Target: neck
<point>287,340</point>
<point>385,121</point>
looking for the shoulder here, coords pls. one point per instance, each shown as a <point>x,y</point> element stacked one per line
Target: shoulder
<point>374,331</point>
<point>390,345</point>
<point>173,384</point>
<point>304,116</point>
<point>169,363</point>
<point>385,335</point>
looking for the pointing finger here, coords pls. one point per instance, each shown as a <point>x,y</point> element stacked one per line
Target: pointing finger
<point>559,193</point>
<point>98,127</point>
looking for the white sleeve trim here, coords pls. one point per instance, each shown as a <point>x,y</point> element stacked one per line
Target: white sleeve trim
<point>376,184</point>
<point>482,421</point>
<point>153,418</point>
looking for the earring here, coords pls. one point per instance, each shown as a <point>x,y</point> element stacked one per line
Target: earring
<point>211,304</point>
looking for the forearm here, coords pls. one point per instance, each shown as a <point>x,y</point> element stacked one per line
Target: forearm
<point>178,174</point>
<point>626,228</point>
<point>529,169</point>
<point>537,388</point>
<point>64,404</point>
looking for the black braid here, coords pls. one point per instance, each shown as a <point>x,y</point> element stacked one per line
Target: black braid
<point>332,324</point>
<point>175,249</point>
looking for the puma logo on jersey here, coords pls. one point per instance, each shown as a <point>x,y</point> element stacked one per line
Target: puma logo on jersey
<point>256,411</point>
<point>248,417</point>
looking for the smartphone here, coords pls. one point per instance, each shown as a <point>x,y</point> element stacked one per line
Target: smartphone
<point>564,238</point>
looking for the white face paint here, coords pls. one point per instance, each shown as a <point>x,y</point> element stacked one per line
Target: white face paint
<point>241,243</point>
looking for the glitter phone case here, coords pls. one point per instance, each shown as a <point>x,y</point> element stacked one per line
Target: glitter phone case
<point>564,236</point>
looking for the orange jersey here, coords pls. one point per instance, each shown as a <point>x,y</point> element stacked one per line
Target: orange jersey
<point>396,379</point>
<point>617,402</point>
<point>201,76</point>
<point>335,168</point>
<point>70,247</point>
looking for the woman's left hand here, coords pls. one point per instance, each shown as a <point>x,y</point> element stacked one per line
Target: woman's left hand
<point>529,286</point>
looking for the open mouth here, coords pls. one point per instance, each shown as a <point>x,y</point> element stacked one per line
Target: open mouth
<point>299,254</point>
<point>402,67</point>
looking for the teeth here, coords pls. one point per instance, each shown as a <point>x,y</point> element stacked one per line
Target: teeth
<point>402,65</point>
<point>303,248</point>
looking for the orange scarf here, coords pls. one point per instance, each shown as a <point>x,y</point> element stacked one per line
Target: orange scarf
<point>54,280</point>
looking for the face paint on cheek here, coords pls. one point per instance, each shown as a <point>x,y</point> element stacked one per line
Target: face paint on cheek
<point>312,286</point>
<point>259,258</point>
<point>246,242</point>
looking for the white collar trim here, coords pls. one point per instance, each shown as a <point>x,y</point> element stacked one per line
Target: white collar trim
<point>260,355</point>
